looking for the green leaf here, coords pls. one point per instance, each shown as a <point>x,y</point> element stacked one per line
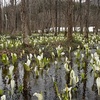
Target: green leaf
<point>5,59</point>
<point>14,58</point>
<point>83,75</point>
<point>1,92</point>
<point>20,88</point>
<point>27,68</point>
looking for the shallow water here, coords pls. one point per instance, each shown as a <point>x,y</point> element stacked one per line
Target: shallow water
<point>44,83</point>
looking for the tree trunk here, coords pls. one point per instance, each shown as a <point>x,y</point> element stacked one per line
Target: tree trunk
<point>0,19</point>
<point>86,31</point>
<point>81,26</point>
<point>70,23</point>
<point>12,17</point>
<point>25,24</point>
<point>59,15</point>
<point>56,2</point>
<point>97,17</point>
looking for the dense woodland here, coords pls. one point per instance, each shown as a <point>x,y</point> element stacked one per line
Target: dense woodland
<point>47,51</point>
<point>29,16</point>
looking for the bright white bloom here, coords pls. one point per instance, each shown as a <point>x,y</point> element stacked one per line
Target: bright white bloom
<point>78,46</point>
<point>12,83</point>
<point>30,55</point>
<point>70,48</point>
<point>92,55</point>
<point>55,62</point>
<point>82,55</point>
<point>40,57</point>
<point>1,45</point>
<point>40,50</point>
<point>95,54</point>
<point>75,53</point>
<point>27,57</point>
<point>62,53</point>
<point>52,54</point>
<point>98,85</point>
<point>66,60</point>
<point>97,58</point>
<point>11,68</point>
<point>3,97</point>
<point>86,45</point>
<point>96,68</point>
<point>69,91</point>
<point>59,48</point>
<point>53,78</point>
<point>66,67</point>
<point>97,48</point>
<point>73,78</point>
<point>38,95</point>
<point>23,52</point>
<point>13,54</point>
<point>35,69</point>
<point>91,61</point>
<point>28,62</point>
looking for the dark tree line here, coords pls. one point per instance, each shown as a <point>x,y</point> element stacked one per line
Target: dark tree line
<point>32,15</point>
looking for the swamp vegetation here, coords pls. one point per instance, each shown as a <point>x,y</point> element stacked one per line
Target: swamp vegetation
<point>50,68</point>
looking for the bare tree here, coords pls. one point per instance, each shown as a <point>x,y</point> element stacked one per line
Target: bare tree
<point>81,25</point>
<point>56,13</point>
<point>12,16</point>
<point>70,22</point>
<point>59,15</point>
<point>43,14</point>
<point>0,18</point>
<point>86,18</point>
<point>25,22</point>
<point>97,17</point>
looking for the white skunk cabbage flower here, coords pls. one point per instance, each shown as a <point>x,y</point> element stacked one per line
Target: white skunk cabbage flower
<point>92,55</point>
<point>98,85</point>
<point>73,78</point>
<point>14,54</point>
<point>66,67</point>
<point>11,68</point>
<point>70,95</point>
<point>40,50</point>
<point>96,68</point>
<point>66,60</point>
<point>3,97</point>
<point>97,48</point>
<point>38,95</point>
<point>53,54</point>
<point>23,52</point>
<point>40,57</point>
<point>59,48</point>
<point>70,48</point>
<point>30,55</point>
<point>78,46</point>
<point>82,55</point>
<point>69,89</point>
<point>75,53</point>
<point>28,62</point>
<point>63,53</point>
<point>95,54</point>
<point>12,84</point>
<point>36,68</point>
<point>55,62</point>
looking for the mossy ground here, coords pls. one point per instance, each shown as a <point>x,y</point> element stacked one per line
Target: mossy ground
<point>47,49</point>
